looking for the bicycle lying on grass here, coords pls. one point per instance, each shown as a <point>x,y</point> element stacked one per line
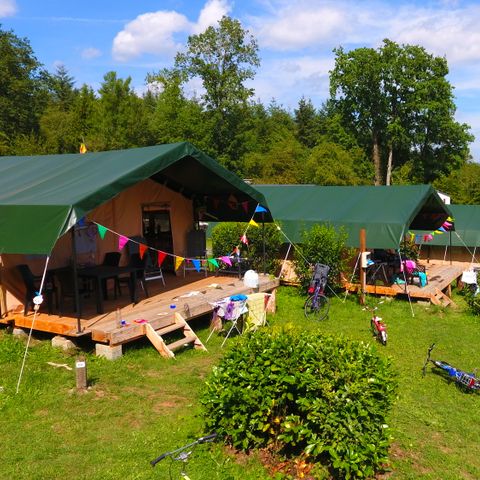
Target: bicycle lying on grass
<point>317,304</point>
<point>378,327</point>
<point>182,454</point>
<point>465,380</point>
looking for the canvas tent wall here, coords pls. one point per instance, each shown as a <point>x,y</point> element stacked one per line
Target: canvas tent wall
<point>42,197</point>
<point>460,245</point>
<point>386,212</point>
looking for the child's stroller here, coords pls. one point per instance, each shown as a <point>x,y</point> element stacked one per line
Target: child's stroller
<point>317,303</point>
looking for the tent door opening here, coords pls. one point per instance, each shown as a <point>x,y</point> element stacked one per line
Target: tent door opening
<point>157,232</point>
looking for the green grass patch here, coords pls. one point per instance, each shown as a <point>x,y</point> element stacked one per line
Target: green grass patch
<point>142,405</point>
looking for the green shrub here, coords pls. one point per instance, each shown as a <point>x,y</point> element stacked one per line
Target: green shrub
<point>306,395</point>
<point>322,244</point>
<point>226,236</point>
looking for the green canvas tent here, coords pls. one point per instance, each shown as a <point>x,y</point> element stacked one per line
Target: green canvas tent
<point>467,228</point>
<point>41,197</point>
<point>387,213</point>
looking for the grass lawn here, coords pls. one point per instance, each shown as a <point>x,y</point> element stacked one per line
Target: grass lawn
<point>142,405</point>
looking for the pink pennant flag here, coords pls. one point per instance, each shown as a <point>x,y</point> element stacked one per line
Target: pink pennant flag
<point>142,249</point>
<point>161,258</point>
<point>122,241</point>
<point>244,239</point>
<point>226,259</point>
<point>245,206</point>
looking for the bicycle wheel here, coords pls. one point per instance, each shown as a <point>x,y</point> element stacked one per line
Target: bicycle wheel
<point>316,307</point>
<point>383,337</point>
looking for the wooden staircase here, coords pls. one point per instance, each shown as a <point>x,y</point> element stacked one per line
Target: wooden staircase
<point>440,298</point>
<point>175,324</point>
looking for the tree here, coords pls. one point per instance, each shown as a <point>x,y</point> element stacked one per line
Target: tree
<point>463,185</point>
<point>23,92</point>
<point>399,104</point>
<point>223,58</point>
<point>307,123</point>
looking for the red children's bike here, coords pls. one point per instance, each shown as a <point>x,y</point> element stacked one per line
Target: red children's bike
<point>378,327</point>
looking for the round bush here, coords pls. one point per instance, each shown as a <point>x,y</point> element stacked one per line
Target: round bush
<point>304,394</point>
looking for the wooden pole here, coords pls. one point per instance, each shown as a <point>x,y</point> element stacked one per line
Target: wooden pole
<point>363,247</point>
<point>81,372</point>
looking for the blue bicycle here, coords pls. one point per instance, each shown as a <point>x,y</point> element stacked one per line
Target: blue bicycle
<point>469,381</point>
<point>317,304</point>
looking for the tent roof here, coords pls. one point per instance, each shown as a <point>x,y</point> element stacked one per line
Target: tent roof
<point>467,227</point>
<point>385,212</point>
<point>41,197</point>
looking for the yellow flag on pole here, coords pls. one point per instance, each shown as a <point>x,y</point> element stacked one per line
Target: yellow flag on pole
<point>83,148</point>
<point>253,223</point>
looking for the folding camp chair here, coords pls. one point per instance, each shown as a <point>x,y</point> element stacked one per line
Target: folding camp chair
<point>257,311</point>
<point>230,309</point>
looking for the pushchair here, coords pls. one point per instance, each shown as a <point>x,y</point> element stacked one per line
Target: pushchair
<point>317,304</point>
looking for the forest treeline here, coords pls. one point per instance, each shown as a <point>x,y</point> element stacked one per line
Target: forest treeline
<point>390,117</point>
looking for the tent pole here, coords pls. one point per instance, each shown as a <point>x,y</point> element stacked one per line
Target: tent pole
<point>363,276</point>
<point>450,251</point>
<point>263,235</point>
<point>75,279</point>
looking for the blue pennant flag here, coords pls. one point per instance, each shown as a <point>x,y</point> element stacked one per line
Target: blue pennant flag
<point>196,264</point>
<point>260,209</point>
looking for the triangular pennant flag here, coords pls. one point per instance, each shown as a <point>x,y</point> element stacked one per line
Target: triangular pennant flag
<point>442,229</point>
<point>253,223</point>
<point>196,264</point>
<point>101,230</point>
<point>244,239</point>
<point>439,232</point>
<point>142,249</point>
<point>429,237</point>
<point>214,262</point>
<point>161,258</point>
<point>450,219</point>
<point>226,259</point>
<point>236,251</point>
<point>83,148</point>
<point>122,241</point>
<point>260,209</point>
<point>178,262</point>
<point>245,206</point>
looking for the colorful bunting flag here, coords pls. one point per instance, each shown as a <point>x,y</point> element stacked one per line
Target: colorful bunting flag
<point>253,223</point>
<point>442,229</point>
<point>83,148</point>
<point>178,262</point>
<point>214,262</point>
<point>260,209</point>
<point>102,230</point>
<point>226,259</point>
<point>122,241</point>
<point>196,264</point>
<point>142,249</point>
<point>161,258</point>
<point>244,239</point>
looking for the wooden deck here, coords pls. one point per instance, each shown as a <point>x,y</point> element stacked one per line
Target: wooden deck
<point>191,297</point>
<point>437,291</point>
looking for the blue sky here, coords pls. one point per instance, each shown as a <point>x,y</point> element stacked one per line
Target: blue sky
<point>295,37</point>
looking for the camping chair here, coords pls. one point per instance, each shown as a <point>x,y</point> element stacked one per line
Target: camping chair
<point>153,271</point>
<point>67,290</point>
<point>230,309</point>
<point>136,261</point>
<point>112,259</point>
<point>196,253</point>
<point>257,311</point>
<point>32,285</point>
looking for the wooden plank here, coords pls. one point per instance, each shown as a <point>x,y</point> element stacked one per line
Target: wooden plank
<point>158,342</point>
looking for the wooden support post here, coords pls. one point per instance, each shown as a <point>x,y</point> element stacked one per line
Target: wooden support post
<point>81,373</point>
<point>363,247</point>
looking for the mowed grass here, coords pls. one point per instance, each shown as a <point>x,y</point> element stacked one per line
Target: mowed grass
<point>142,405</point>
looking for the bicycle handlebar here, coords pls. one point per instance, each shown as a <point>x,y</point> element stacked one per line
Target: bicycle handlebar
<point>205,439</point>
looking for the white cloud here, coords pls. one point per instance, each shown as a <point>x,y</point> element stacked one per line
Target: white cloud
<point>211,13</point>
<point>7,8</point>
<point>155,32</point>
<point>90,53</point>
<point>149,33</point>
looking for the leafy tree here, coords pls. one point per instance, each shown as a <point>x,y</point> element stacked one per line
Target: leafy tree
<point>223,58</point>
<point>306,120</point>
<point>120,117</point>
<point>399,104</point>
<point>463,185</point>
<point>62,88</point>
<point>23,92</point>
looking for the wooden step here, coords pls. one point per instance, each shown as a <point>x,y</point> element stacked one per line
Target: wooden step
<point>440,298</point>
<point>173,327</point>
<point>183,342</point>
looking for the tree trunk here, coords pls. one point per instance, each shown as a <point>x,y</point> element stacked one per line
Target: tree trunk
<point>388,180</point>
<point>376,159</point>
